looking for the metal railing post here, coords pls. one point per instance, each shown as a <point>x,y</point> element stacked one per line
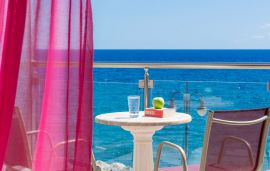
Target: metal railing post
<point>146,87</point>
<point>187,111</point>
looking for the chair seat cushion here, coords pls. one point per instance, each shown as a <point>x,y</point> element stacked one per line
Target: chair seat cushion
<point>180,168</point>
<point>16,168</point>
<point>213,167</point>
<point>217,167</point>
<point>59,165</point>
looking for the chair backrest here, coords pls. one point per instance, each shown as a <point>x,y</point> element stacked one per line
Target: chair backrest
<point>18,151</point>
<point>57,160</point>
<point>235,140</point>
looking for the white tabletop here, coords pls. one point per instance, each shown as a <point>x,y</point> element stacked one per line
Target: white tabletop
<point>123,119</point>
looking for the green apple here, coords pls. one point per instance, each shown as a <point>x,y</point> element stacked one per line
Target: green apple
<point>158,102</point>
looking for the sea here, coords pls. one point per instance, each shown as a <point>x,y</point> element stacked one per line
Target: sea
<point>221,89</point>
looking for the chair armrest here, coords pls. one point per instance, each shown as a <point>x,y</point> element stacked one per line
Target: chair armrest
<point>246,144</point>
<point>173,146</point>
<point>93,161</point>
<point>29,133</point>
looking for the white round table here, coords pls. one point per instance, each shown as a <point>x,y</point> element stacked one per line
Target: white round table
<point>142,129</point>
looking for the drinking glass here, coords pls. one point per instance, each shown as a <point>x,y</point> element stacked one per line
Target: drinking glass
<point>134,106</point>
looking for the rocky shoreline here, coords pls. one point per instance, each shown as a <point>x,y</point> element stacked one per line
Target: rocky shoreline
<point>103,166</point>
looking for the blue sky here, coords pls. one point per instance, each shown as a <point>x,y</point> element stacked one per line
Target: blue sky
<point>181,24</point>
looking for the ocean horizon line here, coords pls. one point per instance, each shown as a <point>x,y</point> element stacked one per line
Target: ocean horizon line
<point>185,49</point>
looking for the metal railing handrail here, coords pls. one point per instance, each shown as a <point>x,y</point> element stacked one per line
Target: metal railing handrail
<point>168,65</point>
<point>185,65</point>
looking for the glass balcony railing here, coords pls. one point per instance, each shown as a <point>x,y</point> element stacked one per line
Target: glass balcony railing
<point>220,90</point>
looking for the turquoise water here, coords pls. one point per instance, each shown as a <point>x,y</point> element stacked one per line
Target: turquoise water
<point>221,89</point>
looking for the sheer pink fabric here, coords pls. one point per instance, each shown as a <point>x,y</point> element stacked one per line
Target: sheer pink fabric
<point>11,45</point>
<point>54,92</point>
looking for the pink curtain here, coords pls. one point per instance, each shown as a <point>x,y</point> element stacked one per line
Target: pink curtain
<point>54,92</point>
<point>13,14</point>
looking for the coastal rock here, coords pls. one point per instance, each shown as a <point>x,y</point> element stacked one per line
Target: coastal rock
<point>103,165</point>
<point>119,167</point>
<point>112,167</point>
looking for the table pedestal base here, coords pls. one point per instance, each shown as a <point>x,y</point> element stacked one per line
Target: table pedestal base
<point>142,149</point>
